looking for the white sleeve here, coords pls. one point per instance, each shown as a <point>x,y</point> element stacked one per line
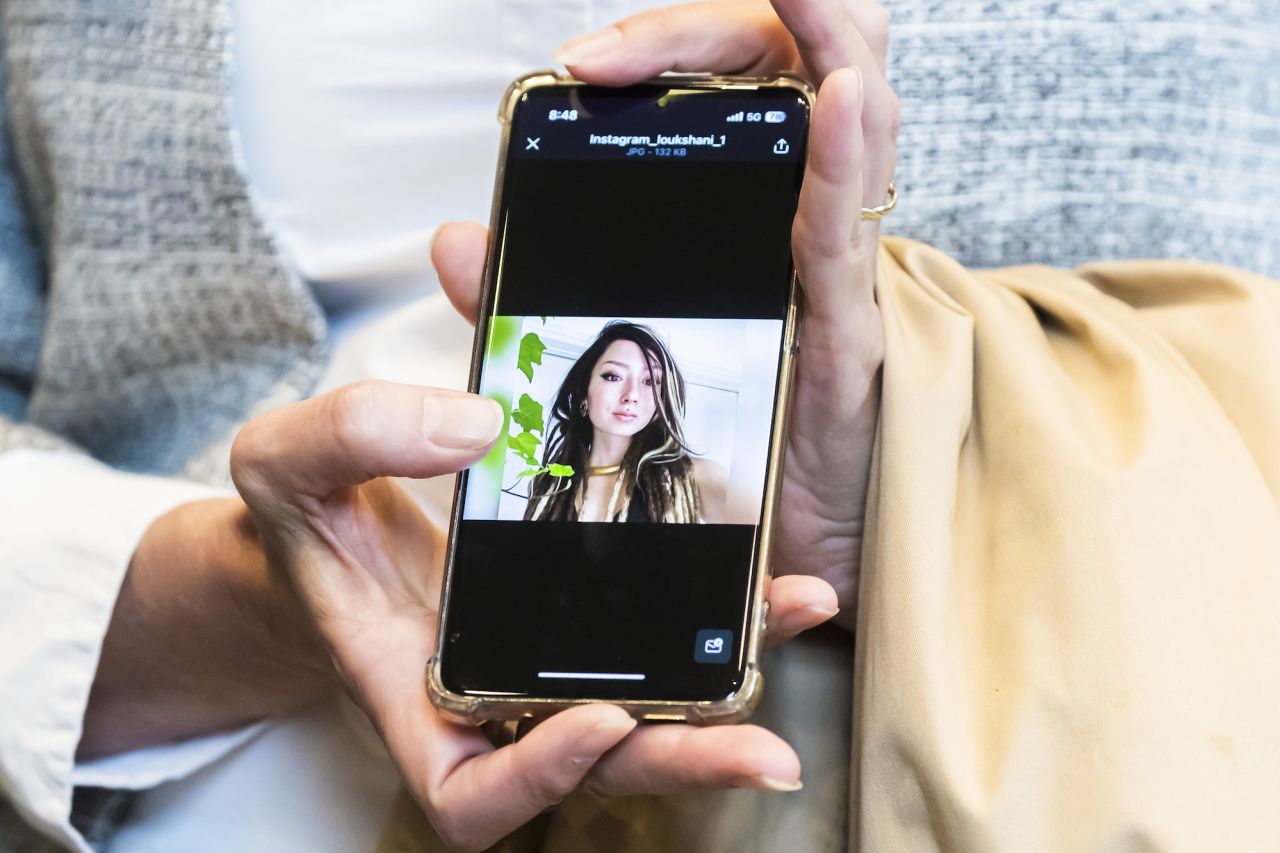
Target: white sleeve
<point>68,527</point>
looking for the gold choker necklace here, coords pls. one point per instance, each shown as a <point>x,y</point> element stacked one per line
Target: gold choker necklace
<point>601,470</point>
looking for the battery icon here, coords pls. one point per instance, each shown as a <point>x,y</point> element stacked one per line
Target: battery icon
<point>775,117</point>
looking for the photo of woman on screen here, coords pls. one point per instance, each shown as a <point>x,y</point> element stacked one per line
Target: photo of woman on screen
<point>617,421</point>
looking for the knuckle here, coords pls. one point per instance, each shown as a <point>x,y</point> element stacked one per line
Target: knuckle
<point>456,835</point>
<point>244,450</point>
<point>352,414</point>
<point>812,244</point>
<point>542,787</point>
<point>596,787</point>
<point>543,791</point>
<point>877,35</point>
<point>249,459</point>
<point>652,22</point>
<point>882,120</point>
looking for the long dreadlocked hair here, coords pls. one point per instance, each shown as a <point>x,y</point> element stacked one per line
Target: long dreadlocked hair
<point>657,467</point>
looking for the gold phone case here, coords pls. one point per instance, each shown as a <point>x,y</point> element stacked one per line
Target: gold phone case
<point>729,709</point>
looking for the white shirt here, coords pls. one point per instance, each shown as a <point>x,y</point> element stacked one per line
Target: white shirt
<point>360,127</point>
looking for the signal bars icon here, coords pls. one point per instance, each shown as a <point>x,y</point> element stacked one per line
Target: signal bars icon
<point>740,115</point>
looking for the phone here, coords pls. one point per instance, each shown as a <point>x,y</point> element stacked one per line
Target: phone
<point>638,324</point>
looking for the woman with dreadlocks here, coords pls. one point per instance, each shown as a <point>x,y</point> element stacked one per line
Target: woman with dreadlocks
<point>617,422</point>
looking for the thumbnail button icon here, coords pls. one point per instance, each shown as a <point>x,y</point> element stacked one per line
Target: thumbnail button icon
<point>713,646</point>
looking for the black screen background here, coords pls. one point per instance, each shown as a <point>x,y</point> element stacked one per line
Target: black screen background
<point>601,239</point>
<point>612,237</point>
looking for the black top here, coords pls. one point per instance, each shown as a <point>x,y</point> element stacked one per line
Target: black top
<point>636,510</point>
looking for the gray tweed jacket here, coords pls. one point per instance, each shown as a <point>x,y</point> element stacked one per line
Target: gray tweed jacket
<point>144,315</point>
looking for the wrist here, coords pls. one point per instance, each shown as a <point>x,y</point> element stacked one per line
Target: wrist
<point>202,638</point>
<point>270,612</point>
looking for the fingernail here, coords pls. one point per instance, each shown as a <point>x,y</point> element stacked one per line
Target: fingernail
<point>806,618</point>
<point>603,736</point>
<point>590,46</point>
<point>461,422</point>
<point>769,783</point>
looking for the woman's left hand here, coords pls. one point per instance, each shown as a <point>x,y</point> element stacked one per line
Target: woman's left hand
<point>840,45</point>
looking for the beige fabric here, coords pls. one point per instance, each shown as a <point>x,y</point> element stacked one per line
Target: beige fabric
<point>1068,635</point>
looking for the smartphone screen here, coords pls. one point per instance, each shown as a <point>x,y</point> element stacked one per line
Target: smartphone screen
<point>608,547</point>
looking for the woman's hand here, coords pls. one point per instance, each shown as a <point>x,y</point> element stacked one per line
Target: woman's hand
<point>840,45</point>
<point>330,574</point>
<point>366,567</point>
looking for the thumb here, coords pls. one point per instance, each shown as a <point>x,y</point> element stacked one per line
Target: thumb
<point>475,795</point>
<point>458,252</point>
<point>359,432</point>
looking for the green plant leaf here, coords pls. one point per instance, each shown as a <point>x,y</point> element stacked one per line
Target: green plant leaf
<point>525,445</point>
<point>530,353</point>
<point>529,414</point>
<point>530,472</point>
<point>556,470</point>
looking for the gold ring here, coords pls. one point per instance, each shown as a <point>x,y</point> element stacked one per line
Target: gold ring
<point>890,202</point>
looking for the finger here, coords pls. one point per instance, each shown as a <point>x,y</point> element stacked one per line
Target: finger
<point>718,36</point>
<point>458,252</point>
<point>830,244</point>
<point>872,22</point>
<point>669,759</point>
<point>833,34</point>
<point>476,801</point>
<point>838,34</point>
<point>359,432</point>
<point>731,38</point>
<point>798,603</point>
